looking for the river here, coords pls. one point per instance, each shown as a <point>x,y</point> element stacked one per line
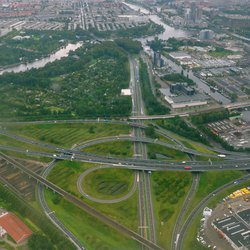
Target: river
<point>202,85</point>
<point>63,52</point>
<point>166,34</point>
<point>172,32</point>
<point>168,31</point>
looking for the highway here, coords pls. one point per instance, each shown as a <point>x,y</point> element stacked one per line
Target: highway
<point>85,207</point>
<point>159,130</point>
<point>141,164</point>
<point>145,205</point>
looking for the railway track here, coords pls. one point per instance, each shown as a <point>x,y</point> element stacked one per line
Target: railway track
<point>84,206</point>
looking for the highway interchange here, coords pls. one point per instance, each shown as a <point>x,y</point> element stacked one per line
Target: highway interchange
<point>140,163</point>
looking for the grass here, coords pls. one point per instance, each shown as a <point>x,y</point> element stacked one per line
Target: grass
<point>197,147</point>
<point>5,245</point>
<point>66,173</point>
<point>26,157</point>
<point>169,191</point>
<point>210,181</point>
<point>68,134</point>
<point>165,139</point>
<point>220,54</point>
<point>91,232</point>
<point>115,148</point>
<point>7,141</point>
<point>172,154</point>
<point>190,241</point>
<point>108,183</point>
<point>191,144</point>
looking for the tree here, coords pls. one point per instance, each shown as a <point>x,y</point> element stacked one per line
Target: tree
<point>40,242</point>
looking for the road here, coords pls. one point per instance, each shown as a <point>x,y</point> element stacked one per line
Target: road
<point>81,204</point>
<point>196,211</point>
<point>135,138</point>
<point>141,164</point>
<point>55,221</point>
<point>145,204</point>
<point>229,106</point>
<point>99,200</point>
<point>187,201</point>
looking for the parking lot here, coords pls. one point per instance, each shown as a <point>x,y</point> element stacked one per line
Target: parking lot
<point>235,134</point>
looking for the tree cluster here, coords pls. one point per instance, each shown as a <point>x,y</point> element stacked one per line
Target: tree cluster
<point>180,127</point>
<point>153,107</point>
<point>37,218</point>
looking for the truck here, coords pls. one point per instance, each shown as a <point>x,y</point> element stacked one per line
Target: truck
<point>222,156</point>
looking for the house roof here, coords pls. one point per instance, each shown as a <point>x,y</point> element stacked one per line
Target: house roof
<point>14,227</point>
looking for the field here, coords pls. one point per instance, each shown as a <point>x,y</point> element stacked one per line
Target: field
<point>163,153</point>
<point>7,141</point>
<point>66,173</point>
<point>108,183</point>
<point>91,232</point>
<point>169,189</point>
<point>115,148</point>
<point>68,134</point>
<point>209,181</point>
<point>89,86</point>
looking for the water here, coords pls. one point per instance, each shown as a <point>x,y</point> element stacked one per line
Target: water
<point>168,31</point>
<point>202,85</point>
<point>172,32</point>
<point>63,52</point>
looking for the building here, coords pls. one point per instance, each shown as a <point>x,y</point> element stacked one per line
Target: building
<point>182,87</point>
<point>206,34</point>
<point>183,101</point>
<point>157,60</point>
<point>179,55</point>
<point>18,231</point>
<point>126,92</point>
<point>235,229</point>
<point>193,14</point>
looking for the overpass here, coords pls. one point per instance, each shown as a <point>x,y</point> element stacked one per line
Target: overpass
<point>140,164</point>
<point>84,206</point>
<point>237,105</point>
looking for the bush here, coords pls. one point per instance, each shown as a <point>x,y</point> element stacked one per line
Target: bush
<point>40,242</point>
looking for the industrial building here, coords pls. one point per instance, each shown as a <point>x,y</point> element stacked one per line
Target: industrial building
<point>181,87</point>
<point>183,101</point>
<point>235,229</point>
<point>206,34</point>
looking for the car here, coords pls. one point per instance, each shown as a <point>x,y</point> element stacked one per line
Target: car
<point>187,167</point>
